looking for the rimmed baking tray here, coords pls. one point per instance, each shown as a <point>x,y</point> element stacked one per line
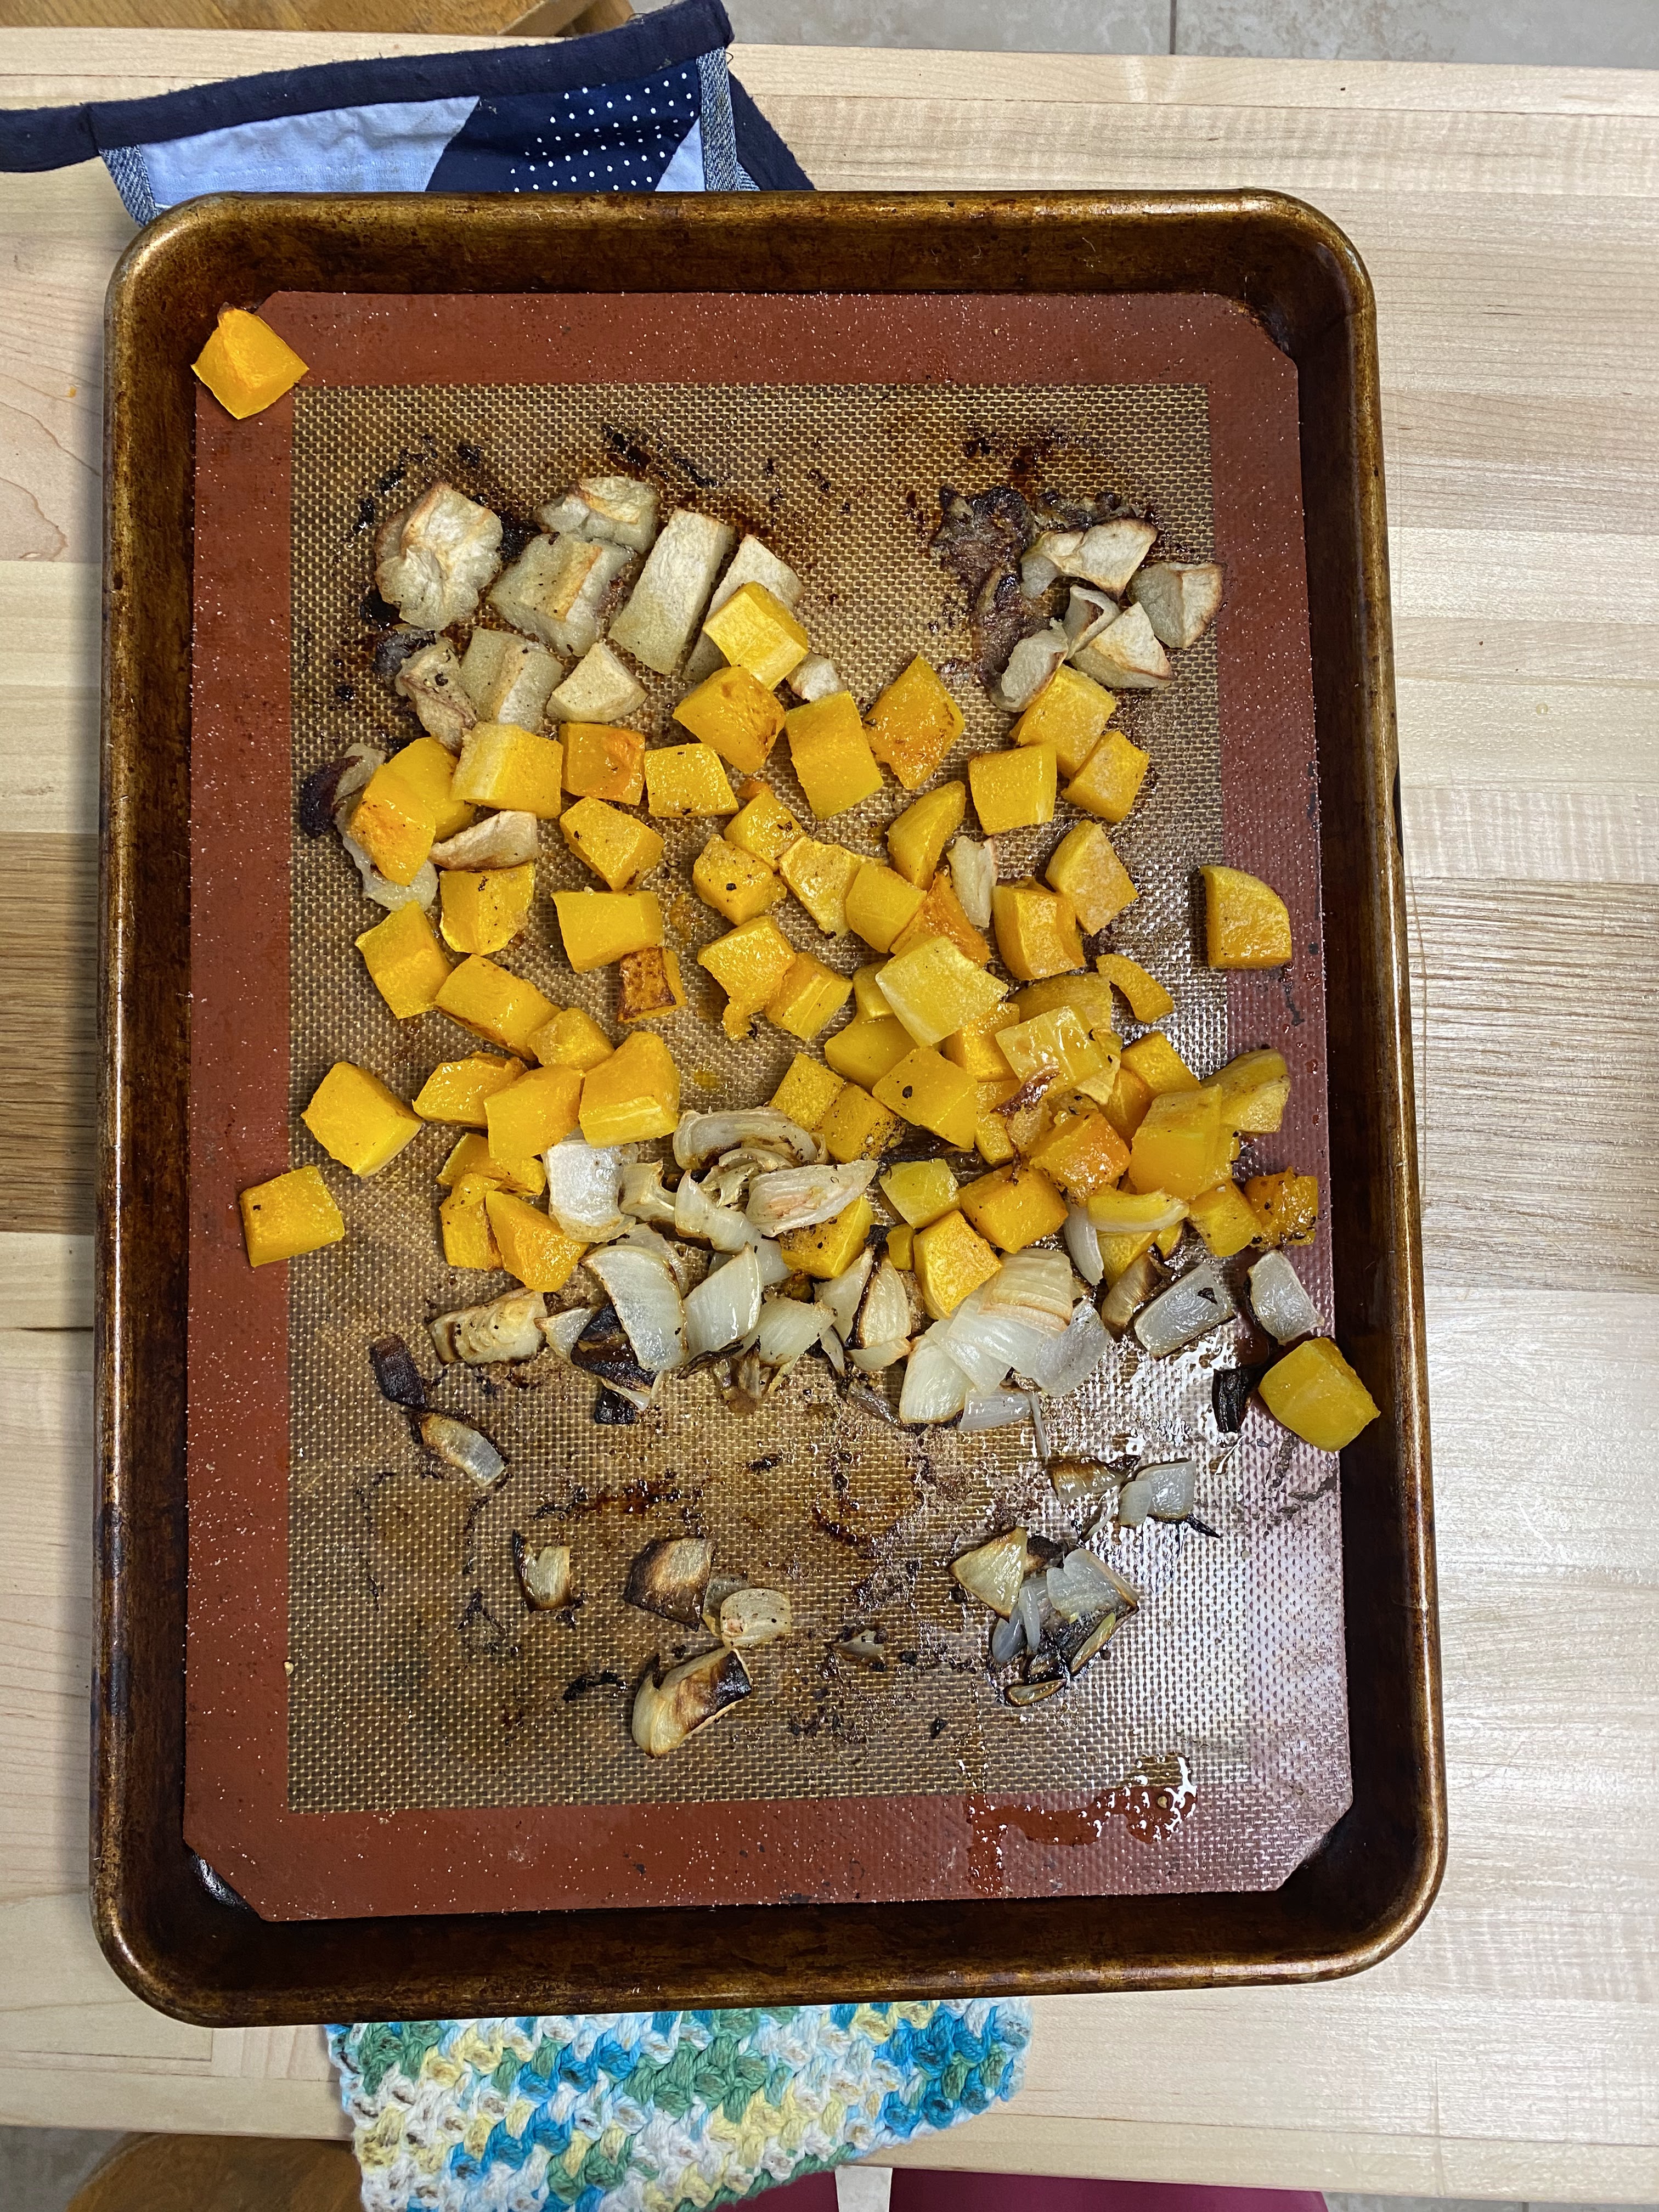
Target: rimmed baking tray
<point>185,1941</point>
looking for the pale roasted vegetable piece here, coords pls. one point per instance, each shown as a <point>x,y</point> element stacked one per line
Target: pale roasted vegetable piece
<point>432,682</point>
<point>1126,655</point>
<point>554,589</point>
<point>752,563</point>
<point>669,1707</point>
<point>618,510</point>
<point>1181,598</point>
<point>433,559</point>
<point>508,678</point>
<point>666,603</point>
<point>600,689</point>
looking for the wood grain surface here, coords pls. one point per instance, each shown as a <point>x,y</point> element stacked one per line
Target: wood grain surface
<point>1509,220</point>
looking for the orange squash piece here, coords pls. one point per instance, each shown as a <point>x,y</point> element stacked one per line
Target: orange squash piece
<point>246,366</point>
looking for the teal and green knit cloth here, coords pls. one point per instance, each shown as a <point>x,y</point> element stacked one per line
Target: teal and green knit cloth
<point>652,2111</point>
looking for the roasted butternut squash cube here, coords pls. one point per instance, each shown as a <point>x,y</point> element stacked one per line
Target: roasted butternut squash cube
<point>1118,1252</point>
<point>919,1191</point>
<point>1287,1205</point>
<point>604,763</point>
<point>1246,923</point>
<point>880,903</point>
<point>405,961</point>
<point>916,839</point>
<point>493,1003</point>
<point>633,1096</point>
<point>532,1245</point>
<point>503,766</point>
<point>867,995</point>
<point>992,1139</point>
<point>571,1039</point>
<point>1013,1207</point>
<point>1036,931</point>
<point>1158,1065</point>
<point>756,632</point>
<point>681,780</point>
<point>358,1120</point>
<point>537,1111</point>
<point>736,716</point>
<point>831,754</point>
<point>483,912</point>
<point>1148,1000</point>
<point>1013,790</point>
<point>975,1046</point>
<point>457,1089</point>
<point>1225,1219</point>
<point>901,1242</point>
<point>1085,866</point>
<point>394,825</point>
<point>829,1249</point>
<point>1088,996</point>
<point>429,768</point>
<point>245,365</point>
<point>1109,780</point>
<point>1181,1146</point>
<point>468,1238</point>
<point>292,1214</point>
<point>807,1092</point>
<point>914,724</point>
<point>599,926</point>
<point>763,825</point>
<point>734,882</point>
<point>934,989</point>
<point>618,848</point>
<point>1253,1090</point>
<point>857,1129</point>
<point>470,1154</point>
<point>748,963</point>
<point>864,1050</point>
<point>809,996</point>
<point>648,984</point>
<point>821,876</point>
<point>1069,713</point>
<point>951,1259</point>
<point>1054,1043</point>
<point>932,1092</point>
<point>1316,1394</point>
<point>1128,1101</point>
<point>1083,1153</point>
<point>940,915</point>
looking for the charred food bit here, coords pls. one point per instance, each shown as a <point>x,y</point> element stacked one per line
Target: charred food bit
<point>863,1646</point>
<point>431,682</point>
<point>544,1575</point>
<point>395,1370</point>
<point>434,558</point>
<point>466,1449</point>
<point>670,1577</point>
<point>1231,1389</point>
<point>504,1329</point>
<point>602,1349</point>
<point>668,1708</point>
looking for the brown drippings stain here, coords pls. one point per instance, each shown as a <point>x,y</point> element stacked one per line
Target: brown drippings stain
<point>1152,1802</point>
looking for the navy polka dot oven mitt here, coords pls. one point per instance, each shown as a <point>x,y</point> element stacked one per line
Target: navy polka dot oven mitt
<point>651,107</point>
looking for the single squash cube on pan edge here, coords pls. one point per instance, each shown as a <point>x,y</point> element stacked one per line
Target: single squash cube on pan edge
<point>291,1214</point>
<point>245,365</point>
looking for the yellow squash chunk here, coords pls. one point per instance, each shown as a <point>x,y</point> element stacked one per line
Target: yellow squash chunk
<point>879,904</point>
<point>571,1039</point>
<point>748,963</point>
<point>919,1191</point>
<point>1069,713</point>
<point>496,1005</point>
<point>246,366</point>
<point>1181,1146</point>
<point>1013,1207</point>
<point>457,1089</point>
<point>430,768</point>
<point>763,825</point>
<point>1085,866</point>
<point>683,780</point>
<point>1168,1239</point>
<point>1285,1205</point>
<point>1253,1090</point>
<point>394,825</point>
<point>1117,1253</point>
<point>469,1240</point>
<point>405,961</point>
<point>1314,1394</point>
<point>734,882</point>
<point>1054,1043</point>
<point>868,997</point>
<point>358,1120</point>
<point>534,1246</point>
<point>1110,779</point>
<point>1148,1000</point>
<point>1225,1219</point>
<point>916,839</point>
<point>940,915</point>
<point>1158,1065</point>
<point>899,1246</point>
<point>869,1045</point>
<point>618,848</point>
<point>1013,790</point>
<point>831,754</point>
<point>829,1249</point>
<point>857,1129</point>
<point>1036,931</point>
<point>648,984</point>
<point>933,1093</point>
<point>934,989</point>
<point>633,1096</point>
<point>974,1046</point>
<point>503,766</point>
<point>603,763</point>
<point>756,632</point>
<point>483,912</point>
<point>736,716</point>
<point>472,1156</point>
<point>951,1259</point>
<point>992,1140</point>
<point>1088,997</point>
<point>1246,923</point>
<point>1084,1154</point>
<point>599,926</point>
<point>537,1111</point>
<point>807,1092</point>
<point>821,876</point>
<point>809,995</point>
<point>914,724</point>
<point>1128,1101</point>
<point>292,1214</point>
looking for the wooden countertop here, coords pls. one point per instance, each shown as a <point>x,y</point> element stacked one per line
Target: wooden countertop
<point>1510,222</point>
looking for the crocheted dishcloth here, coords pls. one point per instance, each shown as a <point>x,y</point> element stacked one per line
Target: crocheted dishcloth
<point>651,2111</point>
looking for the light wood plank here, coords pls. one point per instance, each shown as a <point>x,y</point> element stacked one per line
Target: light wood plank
<point>48,1016</point>
<point>49,647</point>
<point>45,1280</point>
